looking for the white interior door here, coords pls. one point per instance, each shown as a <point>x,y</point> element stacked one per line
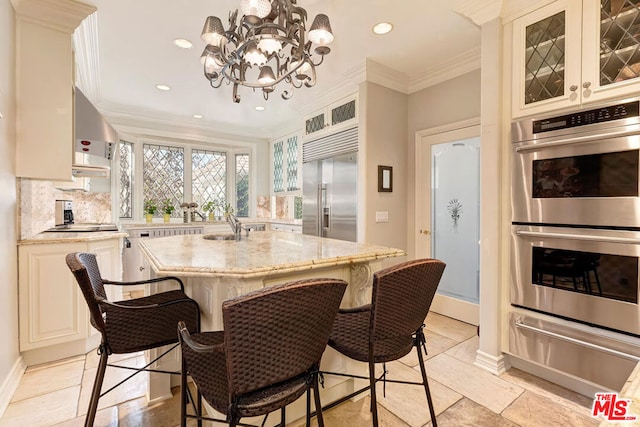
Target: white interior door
<point>448,214</point>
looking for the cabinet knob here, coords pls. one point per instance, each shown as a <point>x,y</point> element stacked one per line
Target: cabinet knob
<point>586,85</point>
<point>141,268</point>
<point>427,232</point>
<point>573,88</point>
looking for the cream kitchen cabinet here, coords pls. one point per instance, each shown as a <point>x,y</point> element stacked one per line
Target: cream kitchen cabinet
<point>570,53</point>
<point>44,86</point>
<point>333,118</point>
<point>52,309</point>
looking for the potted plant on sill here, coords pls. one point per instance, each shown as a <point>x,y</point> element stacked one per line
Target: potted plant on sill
<point>228,210</point>
<point>167,210</point>
<point>149,210</point>
<point>210,207</point>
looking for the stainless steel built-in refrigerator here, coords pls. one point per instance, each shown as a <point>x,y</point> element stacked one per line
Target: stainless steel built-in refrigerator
<point>330,192</point>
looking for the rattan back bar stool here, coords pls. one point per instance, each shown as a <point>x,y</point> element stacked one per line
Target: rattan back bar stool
<point>392,325</point>
<point>132,325</point>
<point>268,354</point>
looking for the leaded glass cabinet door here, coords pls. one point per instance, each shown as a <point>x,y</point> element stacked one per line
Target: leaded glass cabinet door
<point>546,58</point>
<point>611,49</point>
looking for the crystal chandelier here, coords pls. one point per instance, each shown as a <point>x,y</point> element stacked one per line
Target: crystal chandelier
<point>268,46</point>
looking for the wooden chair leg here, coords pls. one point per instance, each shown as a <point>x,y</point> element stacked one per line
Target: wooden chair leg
<point>97,387</point>
<point>432,411</point>
<point>316,399</point>
<point>372,385</point>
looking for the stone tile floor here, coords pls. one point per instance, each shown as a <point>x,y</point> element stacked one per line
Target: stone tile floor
<point>464,394</point>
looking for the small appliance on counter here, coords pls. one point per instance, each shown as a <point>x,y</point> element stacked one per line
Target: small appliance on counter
<point>64,212</point>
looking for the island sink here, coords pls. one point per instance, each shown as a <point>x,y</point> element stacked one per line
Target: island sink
<point>227,236</point>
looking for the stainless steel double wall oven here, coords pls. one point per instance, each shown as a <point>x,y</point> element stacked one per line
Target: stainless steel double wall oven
<point>576,236</point>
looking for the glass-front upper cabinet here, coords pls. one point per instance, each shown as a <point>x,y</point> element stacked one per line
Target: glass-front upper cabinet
<point>570,53</point>
<point>546,58</point>
<point>619,41</point>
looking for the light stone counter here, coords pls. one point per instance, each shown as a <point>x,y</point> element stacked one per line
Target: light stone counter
<point>214,270</point>
<point>259,255</point>
<point>71,237</point>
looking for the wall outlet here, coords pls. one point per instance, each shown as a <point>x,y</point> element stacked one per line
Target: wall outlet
<point>382,216</point>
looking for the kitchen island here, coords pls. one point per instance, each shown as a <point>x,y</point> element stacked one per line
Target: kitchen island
<point>215,270</point>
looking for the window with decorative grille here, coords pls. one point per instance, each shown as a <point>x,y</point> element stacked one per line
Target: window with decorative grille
<point>242,185</point>
<point>209,176</point>
<point>163,175</point>
<point>286,164</point>
<point>126,180</point>
<point>165,168</point>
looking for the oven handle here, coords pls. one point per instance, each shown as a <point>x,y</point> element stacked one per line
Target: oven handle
<point>582,343</point>
<point>578,140</point>
<point>602,239</point>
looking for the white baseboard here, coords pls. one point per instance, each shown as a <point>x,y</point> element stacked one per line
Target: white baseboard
<point>496,365</point>
<point>456,308</point>
<point>10,384</point>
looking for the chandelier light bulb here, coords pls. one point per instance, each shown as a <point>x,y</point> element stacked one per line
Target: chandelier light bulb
<point>211,65</point>
<point>213,31</point>
<point>304,68</point>
<point>254,56</point>
<point>266,76</point>
<point>320,32</point>
<point>268,44</point>
<point>259,8</point>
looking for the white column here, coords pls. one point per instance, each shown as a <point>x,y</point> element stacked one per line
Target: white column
<point>489,354</point>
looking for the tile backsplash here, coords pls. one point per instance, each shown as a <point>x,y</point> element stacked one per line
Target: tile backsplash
<point>278,207</point>
<point>37,206</point>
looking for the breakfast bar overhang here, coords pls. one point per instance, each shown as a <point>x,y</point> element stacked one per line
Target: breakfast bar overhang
<point>215,270</point>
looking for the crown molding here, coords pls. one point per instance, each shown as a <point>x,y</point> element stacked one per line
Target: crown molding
<point>122,115</point>
<point>85,40</point>
<point>457,65</point>
<point>480,11</point>
<point>60,15</point>
<point>387,77</point>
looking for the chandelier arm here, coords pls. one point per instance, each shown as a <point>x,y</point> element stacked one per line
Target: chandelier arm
<point>315,64</point>
<point>310,81</point>
<point>236,97</point>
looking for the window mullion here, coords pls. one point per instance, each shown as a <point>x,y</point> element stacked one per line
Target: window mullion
<point>188,175</point>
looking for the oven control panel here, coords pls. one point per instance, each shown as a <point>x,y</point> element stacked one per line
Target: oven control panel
<point>587,117</point>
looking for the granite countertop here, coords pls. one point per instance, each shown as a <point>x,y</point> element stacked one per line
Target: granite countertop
<point>159,223</point>
<point>71,237</point>
<point>261,254</point>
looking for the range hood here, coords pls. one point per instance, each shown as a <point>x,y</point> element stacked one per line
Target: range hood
<point>93,135</point>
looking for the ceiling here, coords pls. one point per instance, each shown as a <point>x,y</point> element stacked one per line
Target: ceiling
<point>133,42</point>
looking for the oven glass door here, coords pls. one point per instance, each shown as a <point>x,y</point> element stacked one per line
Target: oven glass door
<point>585,275</point>
<point>595,175</point>
<point>594,183</point>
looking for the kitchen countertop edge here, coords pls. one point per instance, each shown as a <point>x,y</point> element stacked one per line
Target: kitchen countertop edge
<point>71,237</point>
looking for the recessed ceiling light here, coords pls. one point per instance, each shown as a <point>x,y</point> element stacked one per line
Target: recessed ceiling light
<point>183,43</point>
<point>198,116</point>
<point>382,28</point>
<point>163,87</point>
<point>259,108</point>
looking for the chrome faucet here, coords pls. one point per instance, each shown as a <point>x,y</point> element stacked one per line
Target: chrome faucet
<point>236,226</point>
<point>193,216</point>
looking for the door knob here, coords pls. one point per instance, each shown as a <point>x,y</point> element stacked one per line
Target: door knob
<point>425,231</point>
<point>573,88</point>
<point>586,85</point>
